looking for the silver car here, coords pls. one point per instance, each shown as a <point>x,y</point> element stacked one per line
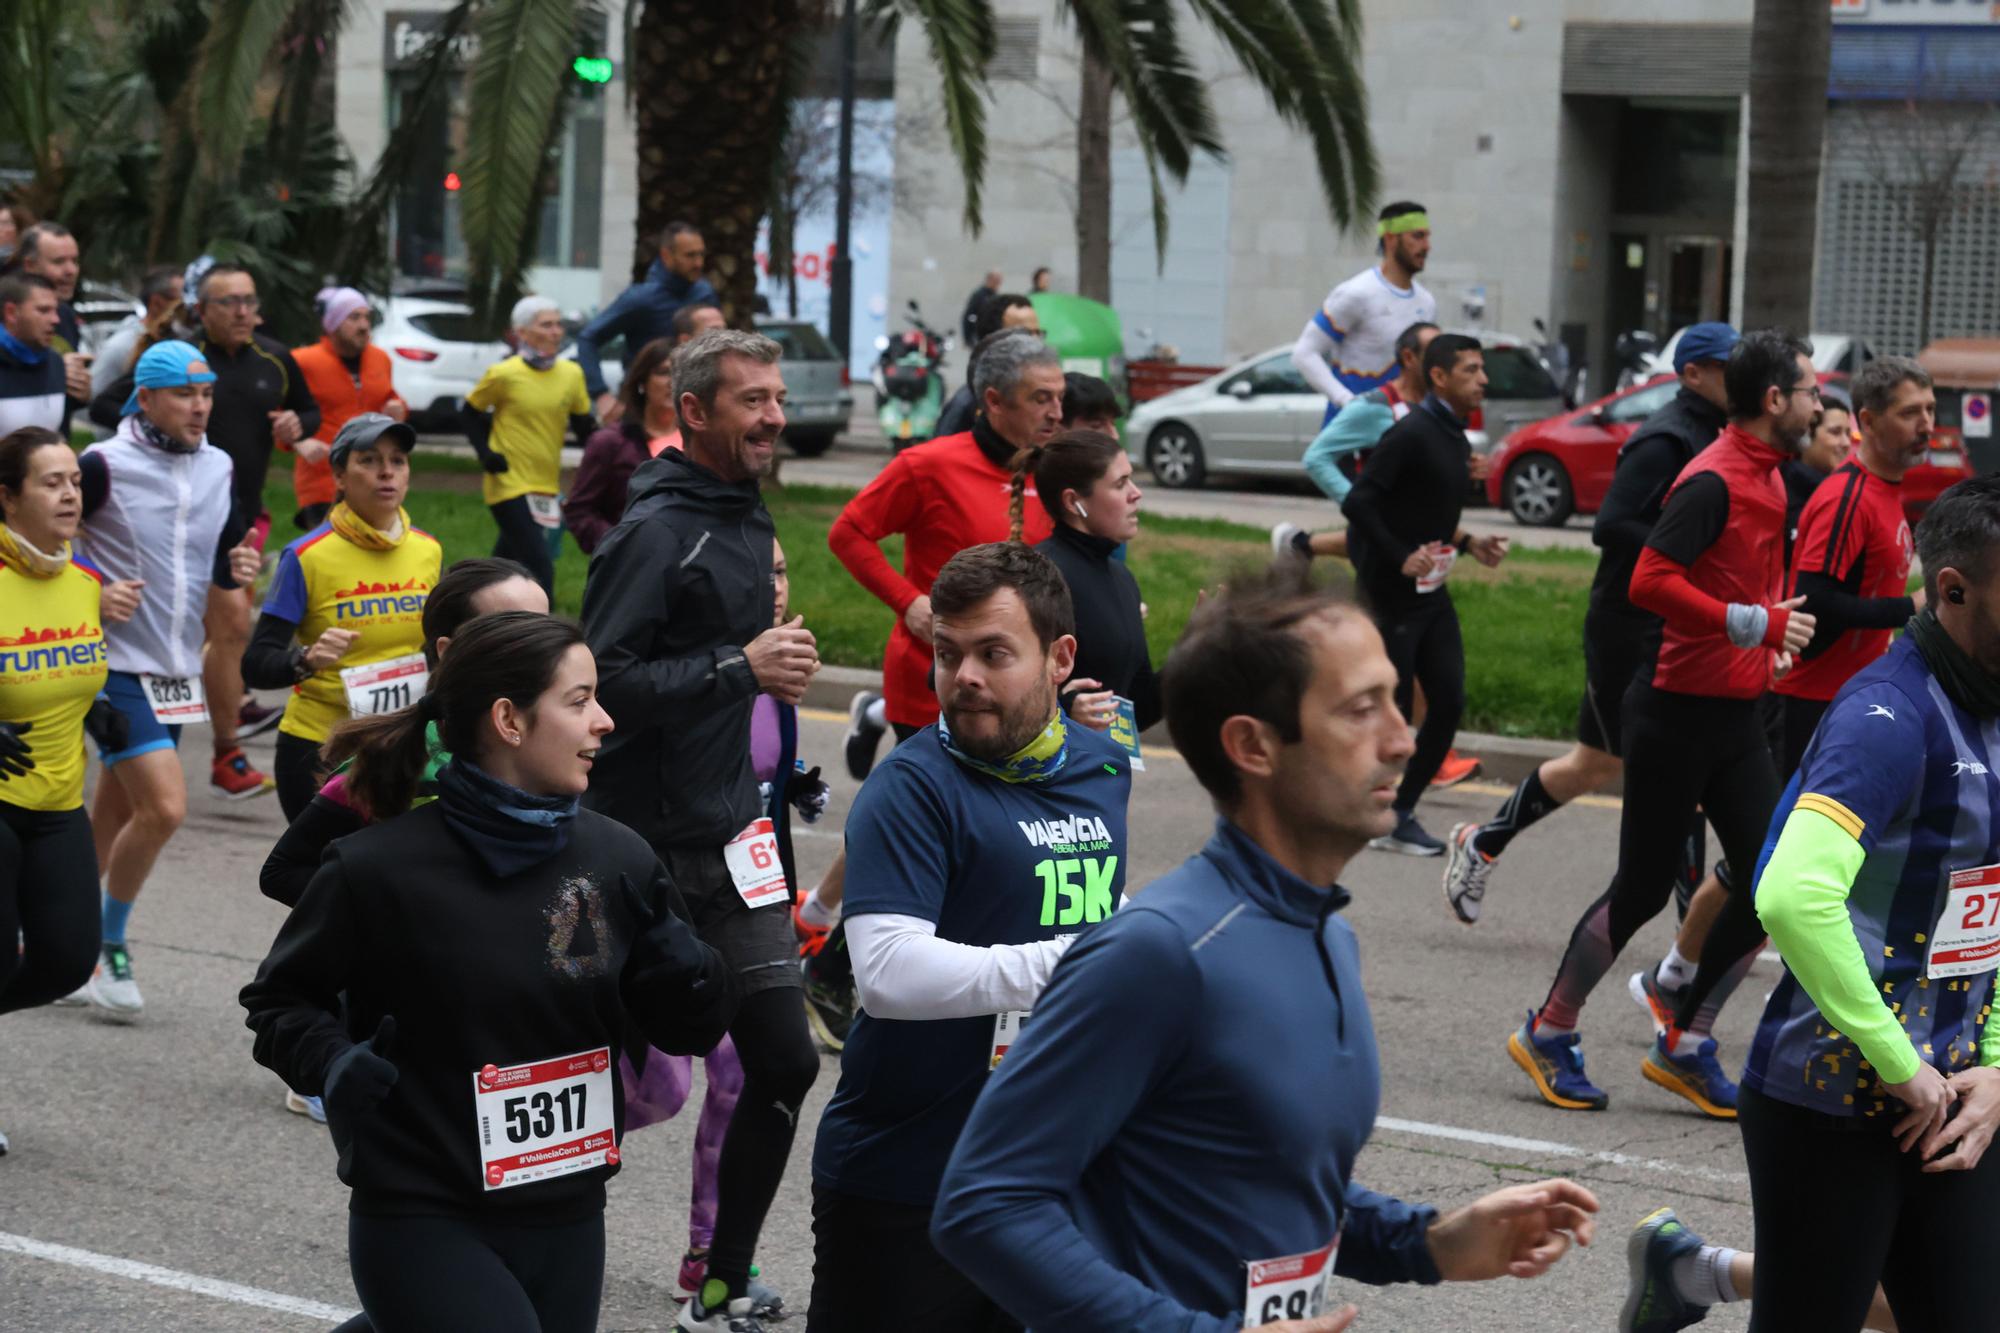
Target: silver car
<point>817,399</point>
<point>1259,415</point>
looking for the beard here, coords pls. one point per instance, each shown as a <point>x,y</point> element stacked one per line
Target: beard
<point>1018,724</point>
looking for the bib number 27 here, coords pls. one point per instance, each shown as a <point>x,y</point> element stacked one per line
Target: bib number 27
<point>1076,890</point>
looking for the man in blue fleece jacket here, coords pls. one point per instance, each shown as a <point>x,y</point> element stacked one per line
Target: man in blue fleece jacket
<point>1170,1145</point>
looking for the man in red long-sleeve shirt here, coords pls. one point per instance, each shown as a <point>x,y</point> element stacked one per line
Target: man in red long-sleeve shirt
<point>942,497</point>
<point>1713,570</point>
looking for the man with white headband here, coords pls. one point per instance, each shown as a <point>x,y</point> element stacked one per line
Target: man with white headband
<point>515,417</point>
<point>348,376</point>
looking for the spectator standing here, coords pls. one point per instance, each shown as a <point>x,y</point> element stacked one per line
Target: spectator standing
<point>348,376</point>
<point>968,323</point>
<point>160,294</point>
<point>645,310</point>
<point>1041,281</point>
<point>31,370</point>
<point>50,251</point>
<point>516,417</point>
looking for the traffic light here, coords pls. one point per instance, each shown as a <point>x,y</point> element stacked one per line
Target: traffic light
<point>592,69</point>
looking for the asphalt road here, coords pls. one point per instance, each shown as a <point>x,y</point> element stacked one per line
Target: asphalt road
<point>162,1144</point>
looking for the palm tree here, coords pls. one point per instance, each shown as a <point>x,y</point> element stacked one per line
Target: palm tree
<point>1790,47</point>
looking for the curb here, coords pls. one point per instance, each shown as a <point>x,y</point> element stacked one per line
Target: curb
<point>1504,760</point>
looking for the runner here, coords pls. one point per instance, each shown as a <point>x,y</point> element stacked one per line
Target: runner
<point>1332,458</point>
<point>31,370</point>
<point>477,1145</point>
<point>1201,1073</point>
<point>1089,404</point>
<point>343,622</point>
<point>50,674</point>
<point>516,417</point>
<point>1877,894</point>
<point>1084,481</point>
<point>678,605</point>
<point>1403,536</point>
<point>1833,438</point>
<point>1349,345</point>
<point>1005,311</point>
<point>1614,630</point>
<point>347,376</point>
<point>1711,569</point>
<point>1852,558</point>
<point>157,512</point>
<point>1676,1276</point>
<point>942,497</point>
<point>979,849</point>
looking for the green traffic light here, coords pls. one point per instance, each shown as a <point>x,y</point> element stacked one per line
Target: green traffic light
<point>592,69</point>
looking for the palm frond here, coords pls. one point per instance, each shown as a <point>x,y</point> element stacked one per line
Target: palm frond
<point>515,93</point>
<point>961,37</point>
<point>228,66</point>
<point>1139,42</point>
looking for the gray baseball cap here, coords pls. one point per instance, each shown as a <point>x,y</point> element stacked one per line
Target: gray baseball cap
<point>366,429</point>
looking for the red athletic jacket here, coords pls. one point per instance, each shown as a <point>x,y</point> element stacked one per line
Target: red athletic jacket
<point>341,395</point>
<point>1720,540</point>
<point>942,497</point>
<point>1851,562</point>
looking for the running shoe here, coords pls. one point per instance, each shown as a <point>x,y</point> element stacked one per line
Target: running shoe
<point>1465,872</point>
<point>111,987</point>
<point>1658,1002</point>
<point>309,1107</point>
<point>863,737</point>
<point>829,1010</point>
<point>1696,1076</point>
<point>255,719</point>
<point>1409,838</point>
<point>3,1143</point>
<point>811,938</point>
<point>232,778</point>
<point>727,1317</point>
<point>1455,769</point>
<point>765,1303</point>
<point>1556,1066</point>
<point>1654,1304</point>
<point>1289,539</point>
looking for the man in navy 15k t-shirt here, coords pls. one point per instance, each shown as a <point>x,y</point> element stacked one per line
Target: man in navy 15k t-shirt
<point>975,853</point>
<point>1172,1145</point>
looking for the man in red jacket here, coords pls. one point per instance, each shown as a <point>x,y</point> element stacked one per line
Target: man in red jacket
<point>1713,570</point>
<point>944,496</point>
<point>347,375</point>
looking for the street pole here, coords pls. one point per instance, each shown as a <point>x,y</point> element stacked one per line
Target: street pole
<point>840,314</point>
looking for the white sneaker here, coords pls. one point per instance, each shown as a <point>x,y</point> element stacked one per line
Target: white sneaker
<point>111,987</point>
<point>76,999</point>
<point>733,1317</point>
<point>309,1107</point>
<point>3,1144</point>
<point>1284,541</point>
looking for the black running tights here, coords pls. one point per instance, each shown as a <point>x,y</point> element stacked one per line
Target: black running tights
<point>49,902</point>
<point>422,1274</point>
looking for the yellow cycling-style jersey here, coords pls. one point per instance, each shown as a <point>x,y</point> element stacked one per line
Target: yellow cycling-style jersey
<point>531,411</point>
<point>325,581</point>
<point>52,665</point>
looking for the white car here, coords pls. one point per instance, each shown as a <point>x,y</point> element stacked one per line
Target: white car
<point>1832,353</point>
<point>435,354</point>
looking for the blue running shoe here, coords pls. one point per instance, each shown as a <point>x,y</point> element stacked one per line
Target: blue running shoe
<point>1695,1075</point>
<point>1556,1066</point>
<point>1654,1304</point>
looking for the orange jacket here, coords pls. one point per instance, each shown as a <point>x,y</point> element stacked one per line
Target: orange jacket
<point>341,397</point>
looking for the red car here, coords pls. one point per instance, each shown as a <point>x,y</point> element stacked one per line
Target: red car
<point>1545,472</point>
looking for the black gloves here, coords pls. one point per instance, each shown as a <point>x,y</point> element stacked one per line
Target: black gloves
<point>491,461</point>
<point>111,729</point>
<point>360,1077</point>
<point>809,794</point>
<point>15,761</point>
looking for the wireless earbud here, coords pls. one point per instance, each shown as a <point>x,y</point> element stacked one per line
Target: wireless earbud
<point>1077,505</point>
<point>1956,595</point>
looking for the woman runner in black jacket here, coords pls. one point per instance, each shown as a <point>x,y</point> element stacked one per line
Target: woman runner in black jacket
<point>495,947</point>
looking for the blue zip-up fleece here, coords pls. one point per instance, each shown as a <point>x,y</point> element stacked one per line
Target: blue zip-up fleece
<point>644,311</point>
<point>1189,1097</point>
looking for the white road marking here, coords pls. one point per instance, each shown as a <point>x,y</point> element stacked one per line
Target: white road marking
<point>173,1279</point>
<point>1549,1148</point>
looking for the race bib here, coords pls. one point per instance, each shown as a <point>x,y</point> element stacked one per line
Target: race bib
<point>176,700</point>
<point>1966,940</point>
<point>1447,556</point>
<point>1007,1029</point>
<point>546,510</point>
<point>1297,1286</point>
<point>385,687</point>
<point>1125,731</point>
<point>546,1119</point>
<point>754,865</point>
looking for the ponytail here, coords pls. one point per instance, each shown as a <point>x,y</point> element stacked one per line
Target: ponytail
<point>1024,463</point>
<point>389,752</point>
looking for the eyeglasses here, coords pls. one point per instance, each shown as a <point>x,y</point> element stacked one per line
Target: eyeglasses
<point>244,303</point>
<point>1812,389</point>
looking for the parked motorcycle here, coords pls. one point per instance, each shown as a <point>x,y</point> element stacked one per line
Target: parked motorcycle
<point>909,380</point>
<point>1636,354</point>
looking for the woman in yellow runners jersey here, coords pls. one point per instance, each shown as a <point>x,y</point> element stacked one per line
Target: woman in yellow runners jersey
<point>52,667</point>
<point>343,623</point>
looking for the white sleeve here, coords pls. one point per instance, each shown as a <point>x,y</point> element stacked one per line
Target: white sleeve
<point>903,970</point>
<point>1310,355</point>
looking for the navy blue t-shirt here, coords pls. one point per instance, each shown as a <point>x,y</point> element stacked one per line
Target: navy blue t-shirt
<point>990,862</point>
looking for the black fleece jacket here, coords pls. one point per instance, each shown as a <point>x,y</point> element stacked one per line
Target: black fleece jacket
<point>1110,633</point>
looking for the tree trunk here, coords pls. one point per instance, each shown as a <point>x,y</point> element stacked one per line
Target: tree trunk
<point>1093,181</point>
<point>709,128</point>
<point>1790,45</point>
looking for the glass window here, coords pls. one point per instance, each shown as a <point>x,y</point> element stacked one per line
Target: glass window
<point>801,342</point>
<point>1274,374</point>
<point>449,327</point>
<point>1950,407</point>
<point>1514,372</point>
<point>1638,406</point>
